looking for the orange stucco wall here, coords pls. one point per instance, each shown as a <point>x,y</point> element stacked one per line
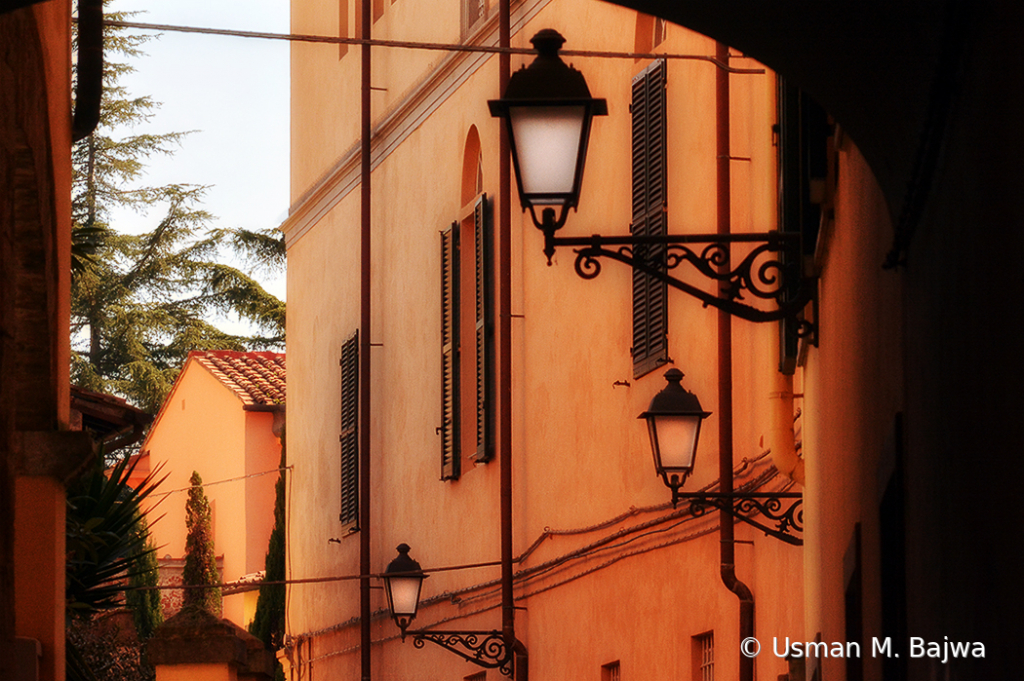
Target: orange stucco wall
<point>39,540</point>
<point>202,427</point>
<point>37,236</point>
<point>582,468</point>
<point>850,413</point>
<point>196,672</point>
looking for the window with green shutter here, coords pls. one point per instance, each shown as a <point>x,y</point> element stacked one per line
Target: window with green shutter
<point>467,340</point>
<point>449,429</point>
<point>484,304</point>
<point>350,433</point>
<point>650,217</point>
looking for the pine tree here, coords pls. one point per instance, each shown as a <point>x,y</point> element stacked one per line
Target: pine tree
<point>200,559</point>
<point>268,622</point>
<point>147,613</point>
<point>141,303</point>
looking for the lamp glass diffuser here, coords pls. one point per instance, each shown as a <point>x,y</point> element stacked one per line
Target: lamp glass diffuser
<point>548,109</point>
<point>673,422</point>
<point>402,581</point>
<point>674,442</point>
<point>548,143</point>
<point>404,595</point>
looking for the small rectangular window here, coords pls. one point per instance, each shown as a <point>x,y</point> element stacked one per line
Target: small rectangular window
<point>703,653</point>
<point>350,433</point>
<point>611,672</point>
<point>660,31</point>
<point>342,27</point>
<point>473,12</point>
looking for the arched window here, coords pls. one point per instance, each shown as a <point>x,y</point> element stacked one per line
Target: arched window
<point>467,323</point>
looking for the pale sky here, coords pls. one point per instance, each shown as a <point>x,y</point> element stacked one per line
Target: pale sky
<point>234,93</point>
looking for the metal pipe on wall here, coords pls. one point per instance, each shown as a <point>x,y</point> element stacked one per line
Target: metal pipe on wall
<point>725,443</point>
<point>364,351</point>
<point>513,645</point>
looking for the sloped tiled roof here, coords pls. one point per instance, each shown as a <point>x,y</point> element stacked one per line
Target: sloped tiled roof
<point>256,377</point>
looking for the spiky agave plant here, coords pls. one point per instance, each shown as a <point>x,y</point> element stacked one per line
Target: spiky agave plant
<point>105,542</point>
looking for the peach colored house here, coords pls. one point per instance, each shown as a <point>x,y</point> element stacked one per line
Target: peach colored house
<point>223,418</point>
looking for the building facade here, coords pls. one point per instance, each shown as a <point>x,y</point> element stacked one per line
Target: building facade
<point>916,375</point>
<point>611,581</point>
<point>223,419</point>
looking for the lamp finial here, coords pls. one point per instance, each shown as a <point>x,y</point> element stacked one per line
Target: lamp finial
<point>548,42</point>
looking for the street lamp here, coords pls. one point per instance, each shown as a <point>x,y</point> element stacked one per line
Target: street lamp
<point>403,578</point>
<point>673,421</point>
<point>548,109</point>
<point>402,581</point>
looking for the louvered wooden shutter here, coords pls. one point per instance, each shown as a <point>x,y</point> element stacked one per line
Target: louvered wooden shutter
<point>650,294</point>
<point>484,256</point>
<point>803,132</point>
<point>350,432</point>
<point>450,464</point>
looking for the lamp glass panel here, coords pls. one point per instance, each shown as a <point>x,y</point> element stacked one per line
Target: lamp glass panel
<point>405,595</point>
<point>676,440</point>
<point>547,140</point>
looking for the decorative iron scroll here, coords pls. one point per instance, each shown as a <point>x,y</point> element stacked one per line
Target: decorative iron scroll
<point>769,271</point>
<point>483,648</point>
<point>745,507</point>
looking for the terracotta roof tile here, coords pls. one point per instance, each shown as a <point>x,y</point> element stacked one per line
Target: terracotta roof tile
<point>256,377</point>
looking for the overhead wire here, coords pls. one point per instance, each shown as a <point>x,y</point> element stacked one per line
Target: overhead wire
<point>220,482</point>
<point>487,589</point>
<point>418,45</point>
<point>601,545</point>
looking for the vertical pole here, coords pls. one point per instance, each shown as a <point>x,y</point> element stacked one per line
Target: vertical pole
<point>364,351</point>
<point>505,341</point>
<point>725,444</point>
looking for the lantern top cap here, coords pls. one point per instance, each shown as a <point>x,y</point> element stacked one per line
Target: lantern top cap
<point>674,375</point>
<point>403,564</point>
<point>548,42</point>
<point>674,399</point>
<point>547,80</point>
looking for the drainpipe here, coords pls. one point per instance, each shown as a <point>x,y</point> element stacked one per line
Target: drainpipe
<point>508,629</point>
<point>782,438</point>
<point>364,352</point>
<point>725,454</point>
<point>89,89</point>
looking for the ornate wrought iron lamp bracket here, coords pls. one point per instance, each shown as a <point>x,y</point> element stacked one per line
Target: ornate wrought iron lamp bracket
<point>746,506</point>
<point>483,648</point>
<point>770,270</point>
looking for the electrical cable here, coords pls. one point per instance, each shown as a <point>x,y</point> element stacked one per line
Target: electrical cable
<point>219,482</point>
<point>407,44</point>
